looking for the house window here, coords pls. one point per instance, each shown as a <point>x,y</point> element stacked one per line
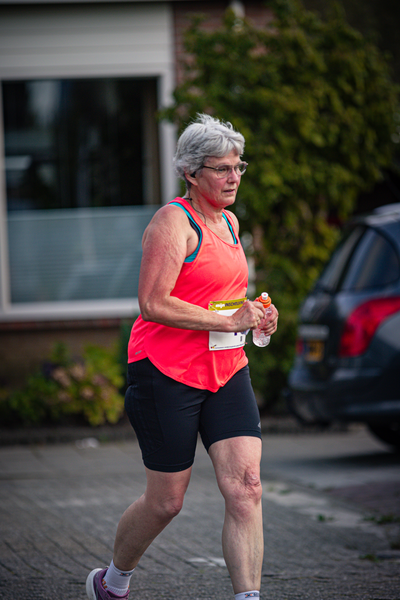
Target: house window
<point>82,181</point>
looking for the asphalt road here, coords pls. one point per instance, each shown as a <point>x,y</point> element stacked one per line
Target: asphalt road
<point>59,506</point>
<point>352,465</point>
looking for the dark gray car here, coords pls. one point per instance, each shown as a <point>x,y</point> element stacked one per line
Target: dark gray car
<point>347,365</point>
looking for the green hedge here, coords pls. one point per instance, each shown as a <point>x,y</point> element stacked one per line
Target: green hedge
<point>317,105</point>
<point>87,389</point>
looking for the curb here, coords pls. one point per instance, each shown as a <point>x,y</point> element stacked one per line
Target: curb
<point>124,432</point>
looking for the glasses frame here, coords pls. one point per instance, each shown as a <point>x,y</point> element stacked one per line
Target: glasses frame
<point>230,169</point>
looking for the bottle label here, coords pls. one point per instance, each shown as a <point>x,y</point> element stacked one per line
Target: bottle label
<point>220,340</point>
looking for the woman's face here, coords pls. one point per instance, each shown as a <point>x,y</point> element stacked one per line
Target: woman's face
<point>218,192</point>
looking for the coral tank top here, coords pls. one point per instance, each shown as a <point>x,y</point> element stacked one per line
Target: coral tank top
<point>215,276</point>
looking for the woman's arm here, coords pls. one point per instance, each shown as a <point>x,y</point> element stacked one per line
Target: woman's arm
<point>167,241</point>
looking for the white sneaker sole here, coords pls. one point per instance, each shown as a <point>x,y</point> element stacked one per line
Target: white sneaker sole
<point>89,584</point>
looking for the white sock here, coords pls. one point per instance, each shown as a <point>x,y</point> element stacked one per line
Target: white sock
<point>117,581</point>
<point>248,595</point>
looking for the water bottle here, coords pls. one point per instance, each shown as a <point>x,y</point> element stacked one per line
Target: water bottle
<point>259,337</point>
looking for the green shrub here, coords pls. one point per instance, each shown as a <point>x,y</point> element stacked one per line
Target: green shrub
<point>317,106</point>
<point>86,387</point>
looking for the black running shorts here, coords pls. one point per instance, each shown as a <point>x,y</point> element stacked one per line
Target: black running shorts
<point>168,415</point>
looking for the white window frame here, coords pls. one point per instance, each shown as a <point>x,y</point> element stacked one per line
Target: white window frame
<point>122,54</point>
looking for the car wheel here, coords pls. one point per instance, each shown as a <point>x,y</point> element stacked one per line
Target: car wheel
<point>388,433</point>
<point>303,417</point>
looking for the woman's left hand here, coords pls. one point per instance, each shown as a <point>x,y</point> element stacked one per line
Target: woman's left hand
<point>270,324</point>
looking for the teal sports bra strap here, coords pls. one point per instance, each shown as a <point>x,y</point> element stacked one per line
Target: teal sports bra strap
<point>197,229</point>
<point>235,241</point>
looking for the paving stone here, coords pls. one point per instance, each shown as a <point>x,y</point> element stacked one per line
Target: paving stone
<point>60,505</point>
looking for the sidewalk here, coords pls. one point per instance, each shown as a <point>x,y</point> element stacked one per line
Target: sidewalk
<point>124,432</point>
<point>60,505</point>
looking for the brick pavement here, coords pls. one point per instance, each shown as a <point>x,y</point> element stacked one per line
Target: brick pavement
<point>381,497</point>
<point>60,505</point>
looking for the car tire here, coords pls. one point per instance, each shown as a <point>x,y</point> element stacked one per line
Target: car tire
<point>388,433</point>
<point>310,421</point>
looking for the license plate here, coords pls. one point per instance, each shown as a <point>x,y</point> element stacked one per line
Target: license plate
<point>314,350</point>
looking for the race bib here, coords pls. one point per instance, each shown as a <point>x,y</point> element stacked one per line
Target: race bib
<point>220,340</point>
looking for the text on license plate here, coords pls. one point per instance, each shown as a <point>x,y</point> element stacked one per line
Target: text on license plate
<point>314,350</point>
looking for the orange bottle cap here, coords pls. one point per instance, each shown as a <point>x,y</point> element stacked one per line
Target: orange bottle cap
<point>264,299</point>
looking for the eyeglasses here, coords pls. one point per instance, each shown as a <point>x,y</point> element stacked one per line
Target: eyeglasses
<point>225,170</point>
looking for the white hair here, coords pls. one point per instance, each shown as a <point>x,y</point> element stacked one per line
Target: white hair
<point>204,137</point>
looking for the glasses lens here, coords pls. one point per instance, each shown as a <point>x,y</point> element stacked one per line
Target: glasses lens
<point>222,171</point>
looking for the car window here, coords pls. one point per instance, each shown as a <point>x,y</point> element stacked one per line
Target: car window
<point>374,263</point>
<point>333,271</point>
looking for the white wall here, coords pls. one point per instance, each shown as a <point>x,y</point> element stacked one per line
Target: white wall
<point>90,40</point>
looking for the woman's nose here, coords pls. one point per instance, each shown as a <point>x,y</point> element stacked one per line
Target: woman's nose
<point>233,175</point>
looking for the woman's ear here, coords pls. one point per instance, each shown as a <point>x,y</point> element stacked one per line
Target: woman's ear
<point>191,178</point>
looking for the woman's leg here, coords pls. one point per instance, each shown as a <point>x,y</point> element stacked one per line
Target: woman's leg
<point>237,466</point>
<point>149,515</point>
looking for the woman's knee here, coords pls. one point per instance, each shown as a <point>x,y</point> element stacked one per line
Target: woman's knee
<point>252,488</point>
<point>243,493</point>
<point>170,507</point>
<point>165,493</point>
<point>165,505</point>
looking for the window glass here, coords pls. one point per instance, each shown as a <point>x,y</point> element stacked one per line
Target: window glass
<point>363,259</point>
<point>74,143</point>
<point>81,162</point>
<point>375,263</point>
<point>334,269</point>
<point>70,254</point>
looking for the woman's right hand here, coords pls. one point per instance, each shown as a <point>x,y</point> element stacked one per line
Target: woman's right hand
<point>248,316</point>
